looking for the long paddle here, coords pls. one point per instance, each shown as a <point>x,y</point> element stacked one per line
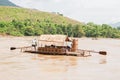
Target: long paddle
<point>100,52</point>
<point>13,48</point>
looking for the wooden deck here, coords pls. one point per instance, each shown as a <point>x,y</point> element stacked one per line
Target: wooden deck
<point>67,53</point>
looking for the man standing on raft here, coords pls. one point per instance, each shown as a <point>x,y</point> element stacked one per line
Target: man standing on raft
<point>34,44</point>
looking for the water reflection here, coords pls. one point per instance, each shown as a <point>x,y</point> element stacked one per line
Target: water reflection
<point>102,59</point>
<point>52,63</point>
<point>64,64</point>
<point>68,60</point>
<point>72,61</point>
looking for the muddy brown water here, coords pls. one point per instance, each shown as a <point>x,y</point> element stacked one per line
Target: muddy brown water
<point>16,65</point>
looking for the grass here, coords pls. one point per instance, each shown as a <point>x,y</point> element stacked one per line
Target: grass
<point>10,13</point>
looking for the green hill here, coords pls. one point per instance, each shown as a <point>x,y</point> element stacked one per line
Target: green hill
<point>11,13</point>
<point>21,21</point>
<point>26,22</point>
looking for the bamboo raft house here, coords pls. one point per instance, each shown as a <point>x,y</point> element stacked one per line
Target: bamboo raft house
<point>59,45</point>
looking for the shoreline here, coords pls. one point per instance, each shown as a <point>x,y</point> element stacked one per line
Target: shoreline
<point>9,36</point>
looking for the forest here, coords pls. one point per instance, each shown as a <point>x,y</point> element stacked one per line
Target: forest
<point>35,28</point>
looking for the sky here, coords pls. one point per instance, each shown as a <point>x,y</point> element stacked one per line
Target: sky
<point>97,11</point>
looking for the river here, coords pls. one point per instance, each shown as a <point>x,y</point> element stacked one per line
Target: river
<point>16,65</point>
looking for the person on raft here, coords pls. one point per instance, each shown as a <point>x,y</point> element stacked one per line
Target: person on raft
<point>34,44</point>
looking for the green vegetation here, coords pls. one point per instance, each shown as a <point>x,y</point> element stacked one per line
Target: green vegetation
<point>25,22</point>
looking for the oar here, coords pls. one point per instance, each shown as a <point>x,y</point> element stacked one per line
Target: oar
<point>100,52</point>
<point>13,48</point>
<point>103,52</point>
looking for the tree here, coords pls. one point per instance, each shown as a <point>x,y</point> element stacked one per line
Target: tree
<point>70,30</point>
<point>17,24</point>
<point>29,31</point>
<point>78,31</point>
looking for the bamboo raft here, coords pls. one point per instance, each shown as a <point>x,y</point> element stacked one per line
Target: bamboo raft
<point>60,50</point>
<point>59,47</point>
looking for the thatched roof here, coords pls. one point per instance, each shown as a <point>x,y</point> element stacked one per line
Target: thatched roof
<point>53,39</point>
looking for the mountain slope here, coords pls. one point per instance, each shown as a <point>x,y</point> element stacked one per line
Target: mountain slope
<point>20,21</point>
<point>26,22</point>
<point>6,3</point>
<point>10,13</point>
